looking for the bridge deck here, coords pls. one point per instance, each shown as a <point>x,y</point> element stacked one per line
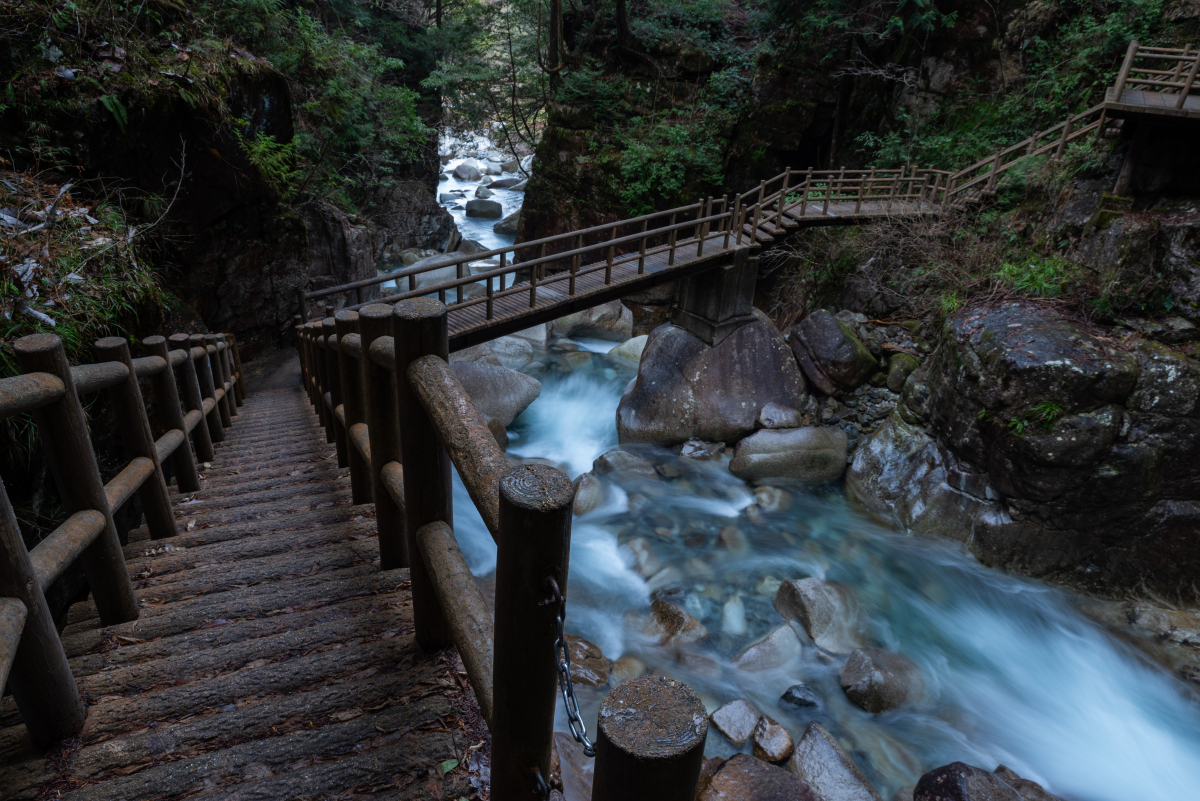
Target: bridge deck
<point>272,659</point>
<point>1140,103</point>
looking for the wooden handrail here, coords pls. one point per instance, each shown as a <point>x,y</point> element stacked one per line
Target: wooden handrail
<point>50,388</point>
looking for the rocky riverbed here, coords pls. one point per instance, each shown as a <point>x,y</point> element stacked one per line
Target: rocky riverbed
<point>886,665</point>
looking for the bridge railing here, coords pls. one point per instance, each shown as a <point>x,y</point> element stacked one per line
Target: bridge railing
<point>208,369</point>
<point>557,261</point>
<point>1168,70</point>
<point>380,380</point>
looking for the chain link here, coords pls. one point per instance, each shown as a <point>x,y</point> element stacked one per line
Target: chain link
<point>541,789</point>
<point>562,658</point>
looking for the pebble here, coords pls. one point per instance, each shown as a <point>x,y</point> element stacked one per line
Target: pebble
<point>736,720</point>
<point>800,695</point>
<point>733,616</point>
<point>772,742</point>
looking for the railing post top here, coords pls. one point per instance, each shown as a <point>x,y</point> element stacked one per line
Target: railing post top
<point>154,341</point>
<point>537,488</point>
<point>328,322</point>
<point>112,345</point>
<point>417,309</point>
<point>376,311</point>
<point>179,338</point>
<point>346,316</point>
<point>37,343</point>
<point>653,718</point>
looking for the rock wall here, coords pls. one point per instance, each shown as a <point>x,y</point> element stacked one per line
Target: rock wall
<point>1051,448</point>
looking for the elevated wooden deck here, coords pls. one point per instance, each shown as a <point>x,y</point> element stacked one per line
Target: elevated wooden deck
<point>1140,103</point>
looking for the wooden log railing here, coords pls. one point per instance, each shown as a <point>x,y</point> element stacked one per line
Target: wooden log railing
<point>32,659</point>
<point>379,378</point>
<point>1167,70</point>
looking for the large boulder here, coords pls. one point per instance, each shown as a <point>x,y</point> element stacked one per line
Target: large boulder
<point>807,454</point>
<point>611,321</point>
<point>468,170</point>
<point>833,358</point>
<point>512,352</point>
<point>484,208</point>
<point>824,766</point>
<point>497,391</point>
<point>744,778</point>
<point>686,389</point>
<point>435,273</point>
<point>508,226</point>
<point>630,351</point>
<point>959,781</point>
<point>1052,450</point>
<point>879,680</point>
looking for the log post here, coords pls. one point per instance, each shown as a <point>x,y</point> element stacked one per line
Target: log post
<point>134,427</point>
<point>1123,75</point>
<point>170,415</point>
<point>650,742</point>
<point>225,405</point>
<point>1190,82</point>
<point>332,358</point>
<point>303,304</point>
<point>533,548</point>
<point>321,369</point>
<point>379,413</point>
<point>236,355</point>
<point>703,228</point>
<point>419,329</point>
<point>68,448</point>
<point>642,248</point>
<point>807,187</point>
<point>40,680</point>
<point>226,357</point>
<point>201,440</point>
<point>671,242</point>
<point>204,374</point>
<point>362,488</point>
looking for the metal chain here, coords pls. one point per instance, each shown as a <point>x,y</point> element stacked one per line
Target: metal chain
<point>562,658</point>
<point>541,789</point>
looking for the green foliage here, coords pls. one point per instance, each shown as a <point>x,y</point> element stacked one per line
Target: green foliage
<point>1038,276</point>
<point>949,303</point>
<point>660,158</point>
<point>275,161</point>
<point>116,109</point>
<point>1047,412</point>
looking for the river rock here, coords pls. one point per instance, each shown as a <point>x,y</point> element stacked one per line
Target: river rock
<point>497,391</point>
<point>778,648</point>
<point>589,665</point>
<point>537,335</point>
<point>702,451</point>
<point>626,668</point>
<point>878,680</point>
<point>468,170</point>
<point>772,499</point>
<point>499,432</point>
<point>630,351</point>
<point>519,187</point>
<point>449,197</point>
<point>900,367</point>
<point>736,720</point>
<point>1028,790</point>
<point>800,696</point>
<point>610,321</point>
<point>775,416</point>
<point>772,742</point>
<point>623,464</point>
<point>484,208</point>
<point>670,625</point>
<point>492,168</point>
<point>504,183</point>
<point>589,494</point>
<point>832,357</point>
<point>435,273</point>
<point>827,769</point>
<point>744,778</point>
<point>476,353</point>
<point>508,226</point>
<point>512,352</point>
<point>807,454</point>
<point>959,781</point>
<point>511,165</point>
<point>483,193</point>
<point>826,611</point>
<point>686,389</point>
<point>645,562</point>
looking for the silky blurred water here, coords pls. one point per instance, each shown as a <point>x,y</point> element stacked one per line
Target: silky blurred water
<point>1013,673</point>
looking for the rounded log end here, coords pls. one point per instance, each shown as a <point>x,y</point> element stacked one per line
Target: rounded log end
<point>111,342</point>
<point>346,316</point>
<point>328,322</point>
<point>37,343</point>
<point>418,309</point>
<point>179,338</point>
<point>537,487</point>
<point>376,311</point>
<point>653,718</point>
<point>154,341</point>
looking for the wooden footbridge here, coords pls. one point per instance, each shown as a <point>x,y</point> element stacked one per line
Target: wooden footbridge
<point>295,619</point>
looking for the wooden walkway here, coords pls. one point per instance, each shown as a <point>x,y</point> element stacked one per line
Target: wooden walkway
<point>272,658</point>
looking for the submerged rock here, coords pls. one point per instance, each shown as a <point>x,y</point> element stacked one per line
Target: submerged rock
<point>807,454</point>
<point>744,778</point>
<point>736,720</point>
<point>622,464</point>
<point>800,696</point>
<point>497,391</point>
<point>832,356</point>
<point>826,611</point>
<point>686,389</point>
<point>589,494</point>
<point>824,766</point>
<point>959,781</point>
<point>589,665</point>
<point>670,625</point>
<point>777,649</point>
<point>878,680</point>
<point>626,668</point>
<point>702,451</point>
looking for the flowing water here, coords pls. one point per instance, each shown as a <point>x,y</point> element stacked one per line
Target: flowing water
<point>1013,673</point>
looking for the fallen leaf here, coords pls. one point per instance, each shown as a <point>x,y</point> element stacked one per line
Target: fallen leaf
<point>448,765</point>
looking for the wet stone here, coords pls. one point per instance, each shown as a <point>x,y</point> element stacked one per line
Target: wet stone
<point>800,696</point>
<point>626,668</point>
<point>774,415</point>
<point>825,767</point>
<point>702,451</point>
<point>736,720</point>
<point>777,649</point>
<point>878,680</point>
<point>959,781</point>
<point>745,778</point>
<point>824,610</point>
<point>589,493</point>
<point>772,742</point>
<point>623,464</point>
<point>670,625</point>
<point>589,665</point>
